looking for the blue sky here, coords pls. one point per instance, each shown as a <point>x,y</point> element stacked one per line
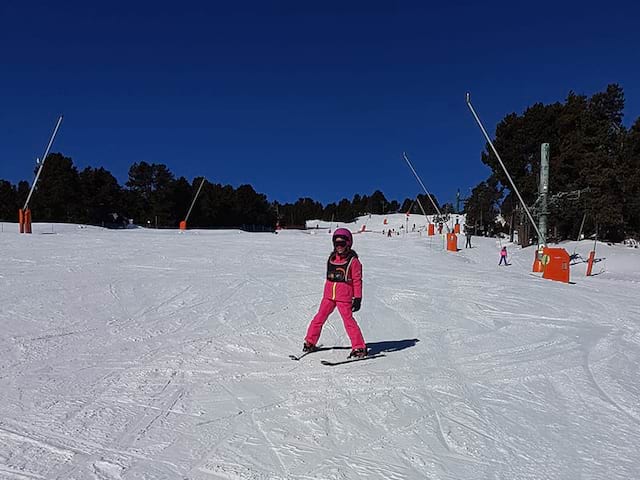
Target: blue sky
<point>298,99</point>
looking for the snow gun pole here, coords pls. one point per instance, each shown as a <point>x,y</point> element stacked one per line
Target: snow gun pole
<point>183,223</point>
<point>424,188</point>
<point>421,208</point>
<point>194,199</point>
<point>592,254</point>
<point>541,239</point>
<point>425,217</point>
<point>44,158</point>
<point>584,217</point>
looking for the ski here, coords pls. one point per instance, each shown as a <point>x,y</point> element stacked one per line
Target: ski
<point>349,360</point>
<point>298,357</point>
<point>318,349</point>
<point>304,354</point>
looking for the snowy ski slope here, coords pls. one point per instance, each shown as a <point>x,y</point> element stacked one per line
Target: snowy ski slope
<point>144,354</point>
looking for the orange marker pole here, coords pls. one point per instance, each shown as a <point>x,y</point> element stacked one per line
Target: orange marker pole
<point>592,256</point>
<point>27,221</point>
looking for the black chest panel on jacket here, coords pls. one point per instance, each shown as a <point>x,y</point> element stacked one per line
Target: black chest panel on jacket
<point>339,272</point>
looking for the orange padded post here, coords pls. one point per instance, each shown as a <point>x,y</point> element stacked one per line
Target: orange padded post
<point>556,264</point>
<point>592,255</point>
<point>27,221</point>
<point>21,220</point>
<point>183,225</point>
<point>452,242</point>
<point>432,229</point>
<point>537,262</point>
<point>456,228</point>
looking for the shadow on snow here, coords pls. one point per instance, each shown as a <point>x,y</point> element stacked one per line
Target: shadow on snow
<point>390,345</point>
<point>378,347</point>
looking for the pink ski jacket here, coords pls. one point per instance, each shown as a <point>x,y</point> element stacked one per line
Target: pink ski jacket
<point>348,273</point>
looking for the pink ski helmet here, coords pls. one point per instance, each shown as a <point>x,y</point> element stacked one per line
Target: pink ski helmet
<point>345,234</point>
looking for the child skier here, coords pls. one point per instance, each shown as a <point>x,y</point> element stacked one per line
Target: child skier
<point>342,289</point>
<point>503,256</point>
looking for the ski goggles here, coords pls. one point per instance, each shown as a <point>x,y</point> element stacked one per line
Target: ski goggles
<point>339,242</point>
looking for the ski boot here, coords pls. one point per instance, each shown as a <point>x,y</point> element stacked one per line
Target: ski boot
<point>309,347</point>
<point>358,353</point>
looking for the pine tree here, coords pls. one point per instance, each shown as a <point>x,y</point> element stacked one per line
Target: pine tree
<point>630,181</point>
<point>151,187</point>
<point>100,197</point>
<point>603,133</point>
<point>8,202</point>
<point>57,195</point>
<point>481,207</point>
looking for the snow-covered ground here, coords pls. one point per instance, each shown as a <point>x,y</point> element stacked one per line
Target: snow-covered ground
<point>144,354</point>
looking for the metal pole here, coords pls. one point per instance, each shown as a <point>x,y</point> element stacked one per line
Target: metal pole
<point>423,212</point>
<point>424,188</point>
<point>584,217</point>
<point>44,158</point>
<point>580,232</point>
<point>541,239</point>
<point>195,198</point>
<point>544,188</point>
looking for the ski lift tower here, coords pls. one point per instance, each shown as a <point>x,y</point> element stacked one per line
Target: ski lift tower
<point>544,189</point>
<point>552,262</point>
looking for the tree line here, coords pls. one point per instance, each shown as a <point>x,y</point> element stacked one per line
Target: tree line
<point>594,168</point>
<point>153,196</point>
<point>594,183</point>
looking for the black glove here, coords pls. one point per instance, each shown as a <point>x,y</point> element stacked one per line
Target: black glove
<point>355,305</point>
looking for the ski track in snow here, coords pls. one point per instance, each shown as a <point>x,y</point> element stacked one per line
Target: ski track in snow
<point>151,354</point>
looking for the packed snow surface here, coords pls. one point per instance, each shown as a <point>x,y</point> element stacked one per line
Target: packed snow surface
<point>147,354</point>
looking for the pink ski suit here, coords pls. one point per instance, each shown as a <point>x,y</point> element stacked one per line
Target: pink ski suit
<point>503,256</point>
<point>347,270</point>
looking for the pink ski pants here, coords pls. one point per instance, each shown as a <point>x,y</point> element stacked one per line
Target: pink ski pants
<point>350,325</point>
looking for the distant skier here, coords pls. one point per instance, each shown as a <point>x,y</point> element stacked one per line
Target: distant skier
<point>342,289</point>
<point>503,256</point>
<point>467,234</point>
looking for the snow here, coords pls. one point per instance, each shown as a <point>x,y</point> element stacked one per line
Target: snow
<point>151,354</point>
